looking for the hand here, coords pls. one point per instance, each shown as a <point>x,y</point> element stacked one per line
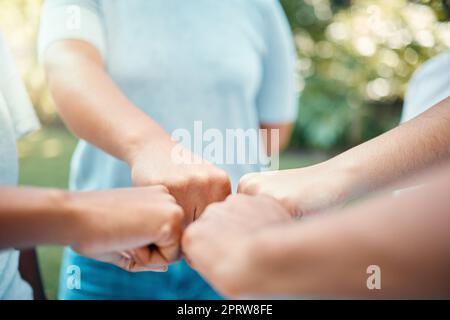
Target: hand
<point>219,244</point>
<point>137,229</point>
<point>194,183</point>
<point>301,191</point>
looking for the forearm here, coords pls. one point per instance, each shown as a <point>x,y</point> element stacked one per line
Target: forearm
<point>30,216</point>
<point>92,105</point>
<point>408,148</point>
<point>407,237</point>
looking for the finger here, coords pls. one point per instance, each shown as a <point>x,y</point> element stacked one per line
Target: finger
<point>215,192</point>
<point>242,184</point>
<point>143,261</point>
<point>184,199</point>
<point>170,253</point>
<point>219,193</point>
<point>126,254</point>
<point>139,268</point>
<point>120,260</point>
<point>149,257</point>
<point>168,246</point>
<point>246,187</point>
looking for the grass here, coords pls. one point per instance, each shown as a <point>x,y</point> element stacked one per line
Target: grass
<point>44,161</point>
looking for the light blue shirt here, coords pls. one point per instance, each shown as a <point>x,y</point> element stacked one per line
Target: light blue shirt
<point>228,63</point>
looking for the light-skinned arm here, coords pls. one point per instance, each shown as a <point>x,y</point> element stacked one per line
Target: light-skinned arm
<point>412,146</point>
<point>96,110</point>
<point>116,226</point>
<point>406,236</point>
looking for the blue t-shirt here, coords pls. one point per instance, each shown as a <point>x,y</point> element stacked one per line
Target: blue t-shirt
<point>227,63</point>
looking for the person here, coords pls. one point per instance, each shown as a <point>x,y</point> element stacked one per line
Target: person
<point>115,226</point>
<point>382,247</point>
<point>127,74</point>
<point>410,147</point>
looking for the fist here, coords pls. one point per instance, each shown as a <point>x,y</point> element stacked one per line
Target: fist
<point>219,244</point>
<point>194,184</point>
<point>300,191</point>
<point>137,229</point>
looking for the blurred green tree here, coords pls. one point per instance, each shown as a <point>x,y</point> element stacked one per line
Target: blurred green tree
<point>355,60</point>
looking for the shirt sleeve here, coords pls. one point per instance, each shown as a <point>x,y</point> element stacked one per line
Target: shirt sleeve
<point>429,85</point>
<point>277,99</point>
<point>14,94</point>
<point>71,19</point>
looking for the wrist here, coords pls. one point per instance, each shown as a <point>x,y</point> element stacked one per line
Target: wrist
<point>64,221</point>
<point>138,143</point>
<point>345,174</point>
<point>78,218</point>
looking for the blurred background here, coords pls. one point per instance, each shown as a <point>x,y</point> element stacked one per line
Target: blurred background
<point>355,59</point>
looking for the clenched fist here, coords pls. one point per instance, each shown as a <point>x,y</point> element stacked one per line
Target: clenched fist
<point>220,244</point>
<point>194,183</point>
<point>301,191</point>
<point>137,229</point>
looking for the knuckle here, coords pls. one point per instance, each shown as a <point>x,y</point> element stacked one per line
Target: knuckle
<point>176,214</point>
<point>189,236</point>
<point>245,182</point>
<point>172,254</point>
<point>182,183</point>
<point>203,179</point>
<point>161,188</point>
<point>222,177</point>
<point>247,177</point>
<point>178,186</point>
<point>170,198</point>
<point>248,187</point>
<point>226,184</point>
<point>287,203</point>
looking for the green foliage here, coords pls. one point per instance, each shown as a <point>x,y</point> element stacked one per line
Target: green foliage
<point>355,60</point>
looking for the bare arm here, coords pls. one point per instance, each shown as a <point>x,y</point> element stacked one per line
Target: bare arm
<point>30,217</point>
<point>406,236</point>
<point>100,224</point>
<point>403,150</point>
<point>406,149</point>
<point>92,105</point>
<point>328,255</point>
